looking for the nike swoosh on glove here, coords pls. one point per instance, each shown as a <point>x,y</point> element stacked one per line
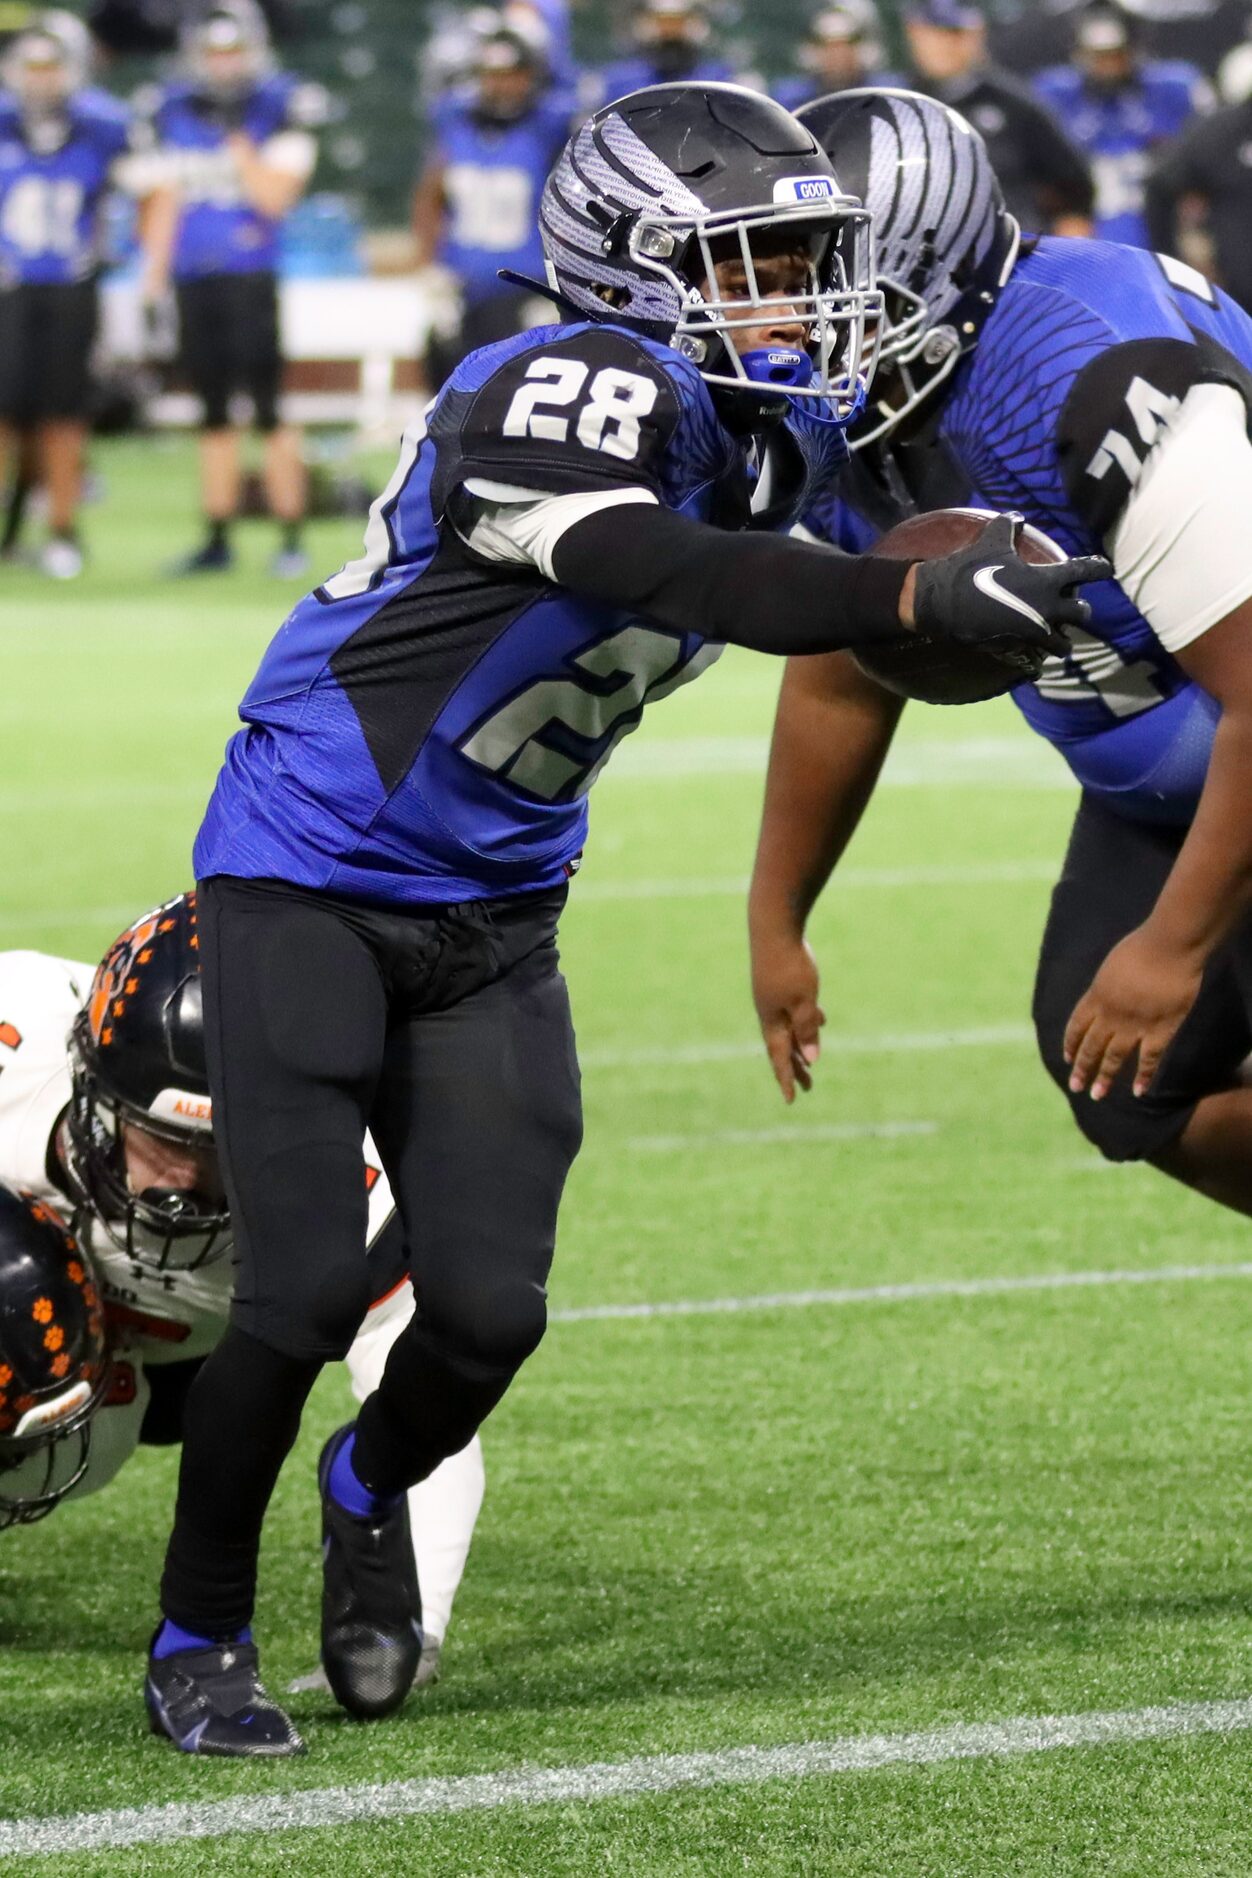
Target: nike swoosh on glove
<point>983,595</point>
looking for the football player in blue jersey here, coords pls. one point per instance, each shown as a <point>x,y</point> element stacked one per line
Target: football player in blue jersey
<point>589,514</point>
<point>63,147</point>
<point>840,50</point>
<point>1105,392</point>
<point>235,138</point>
<point>673,41</point>
<point>1121,109</point>
<point>476,209</point>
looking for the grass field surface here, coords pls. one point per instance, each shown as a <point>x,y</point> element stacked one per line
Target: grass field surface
<point>711,1530</point>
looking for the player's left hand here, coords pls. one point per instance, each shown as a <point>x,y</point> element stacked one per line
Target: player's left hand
<point>785,987</point>
<point>1137,1001</point>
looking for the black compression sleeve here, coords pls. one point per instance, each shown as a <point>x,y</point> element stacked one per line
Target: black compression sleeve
<point>769,592</point>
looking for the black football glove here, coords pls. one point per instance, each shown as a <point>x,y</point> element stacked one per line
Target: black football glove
<point>983,595</point>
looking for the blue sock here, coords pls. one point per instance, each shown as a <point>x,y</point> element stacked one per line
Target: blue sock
<point>349,1492</point>
<point>170,1639</point>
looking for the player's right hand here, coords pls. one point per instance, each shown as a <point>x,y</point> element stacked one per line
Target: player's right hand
<point>984,593</point>
<point>785,989</point>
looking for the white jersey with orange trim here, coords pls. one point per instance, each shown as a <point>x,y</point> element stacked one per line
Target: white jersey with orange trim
<point>175,1316</point>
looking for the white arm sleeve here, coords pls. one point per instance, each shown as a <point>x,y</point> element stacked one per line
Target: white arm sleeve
<point>523,526</point>
<point>1182,547</point>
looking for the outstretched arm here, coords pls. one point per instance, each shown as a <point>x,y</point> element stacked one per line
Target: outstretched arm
<point>832,731</point>
<point>773,593</point>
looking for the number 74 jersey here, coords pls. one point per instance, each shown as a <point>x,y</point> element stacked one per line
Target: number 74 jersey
<point>1109,399</point>
<point>426,725</point>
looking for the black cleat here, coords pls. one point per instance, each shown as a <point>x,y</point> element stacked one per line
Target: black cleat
<point>215,557</point>
<point>213,1702</point>
<point>371,1606</point>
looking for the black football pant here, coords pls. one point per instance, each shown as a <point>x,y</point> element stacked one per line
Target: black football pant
<point>1114,870</point>
<point>447,1033</point>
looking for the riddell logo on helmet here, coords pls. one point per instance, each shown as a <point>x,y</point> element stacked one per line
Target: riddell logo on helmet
<point>49,1414</point>
<point>804,189</point>
<point>185,1106</point>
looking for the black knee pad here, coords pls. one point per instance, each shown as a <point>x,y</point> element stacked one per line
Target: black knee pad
<point>488,1328</point>
<point>331,1313</point>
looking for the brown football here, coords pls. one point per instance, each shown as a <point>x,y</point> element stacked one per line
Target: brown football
<point>936,670</point>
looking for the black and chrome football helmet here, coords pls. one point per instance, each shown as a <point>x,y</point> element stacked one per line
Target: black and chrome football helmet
<point>946,243</point>
<point>646,197</point>
<point>137,1056</point>
<point>54,1365</point>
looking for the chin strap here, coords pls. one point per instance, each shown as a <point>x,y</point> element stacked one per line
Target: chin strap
<point>546,292</point>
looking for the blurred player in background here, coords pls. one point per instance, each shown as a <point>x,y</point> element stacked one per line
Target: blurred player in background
<point>673,41</point>
<point>1045,177</point>
<point>1201,192</point>
<point>63,147</point>
<point>234,137</point>
<point>840,50</point>
<point>1107,394</point>
<point>105,1115</point>
<point>1031,35</point>
<point>1121,108</point>
<point>475,210</point>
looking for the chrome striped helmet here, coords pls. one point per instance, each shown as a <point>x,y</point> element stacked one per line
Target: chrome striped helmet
<point>645,199</point>
<point>946,244</point>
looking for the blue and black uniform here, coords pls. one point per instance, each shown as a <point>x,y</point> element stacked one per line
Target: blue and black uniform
<point>388,849</point>
<point>493,174</point>
<point>1082,368</point>
<point>225,260</point>
<point>50,253</point>
<point>1121,130</point>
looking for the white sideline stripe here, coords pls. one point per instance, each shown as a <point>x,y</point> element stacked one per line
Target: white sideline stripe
<point>975,874</point>
<point>613,1780</point>
<point>768,1137</point>
<point>730,886</point>
<point>1007,762</point>
<point>878,1043</point>
<point>899,1294</point>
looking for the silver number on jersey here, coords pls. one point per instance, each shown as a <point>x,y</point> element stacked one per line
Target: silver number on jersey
<point>1151,412</point>
<point>1095,669</point>
<point>605,695</point>
<point>608,421</point>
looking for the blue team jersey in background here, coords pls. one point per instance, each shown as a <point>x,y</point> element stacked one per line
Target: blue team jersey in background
<point>50,202</point>
<point>426,726</point>
<point>493,175</point>
<point>219,232</point>
<point>1121,130</point>
<point>1088,352</point>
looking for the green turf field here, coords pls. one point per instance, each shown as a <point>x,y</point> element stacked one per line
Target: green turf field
<point>721,1530</point>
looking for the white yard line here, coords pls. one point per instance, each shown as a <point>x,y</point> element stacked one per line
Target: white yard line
<point>875,1043</point>
<point>1006,762</point>
<point>592,891</point>
<point>774,1137</point>
<point>973,874</point>
<point>297,1811</point>
<point>900,1293</point>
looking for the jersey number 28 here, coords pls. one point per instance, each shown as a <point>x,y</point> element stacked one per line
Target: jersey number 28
<point>608,415</point>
